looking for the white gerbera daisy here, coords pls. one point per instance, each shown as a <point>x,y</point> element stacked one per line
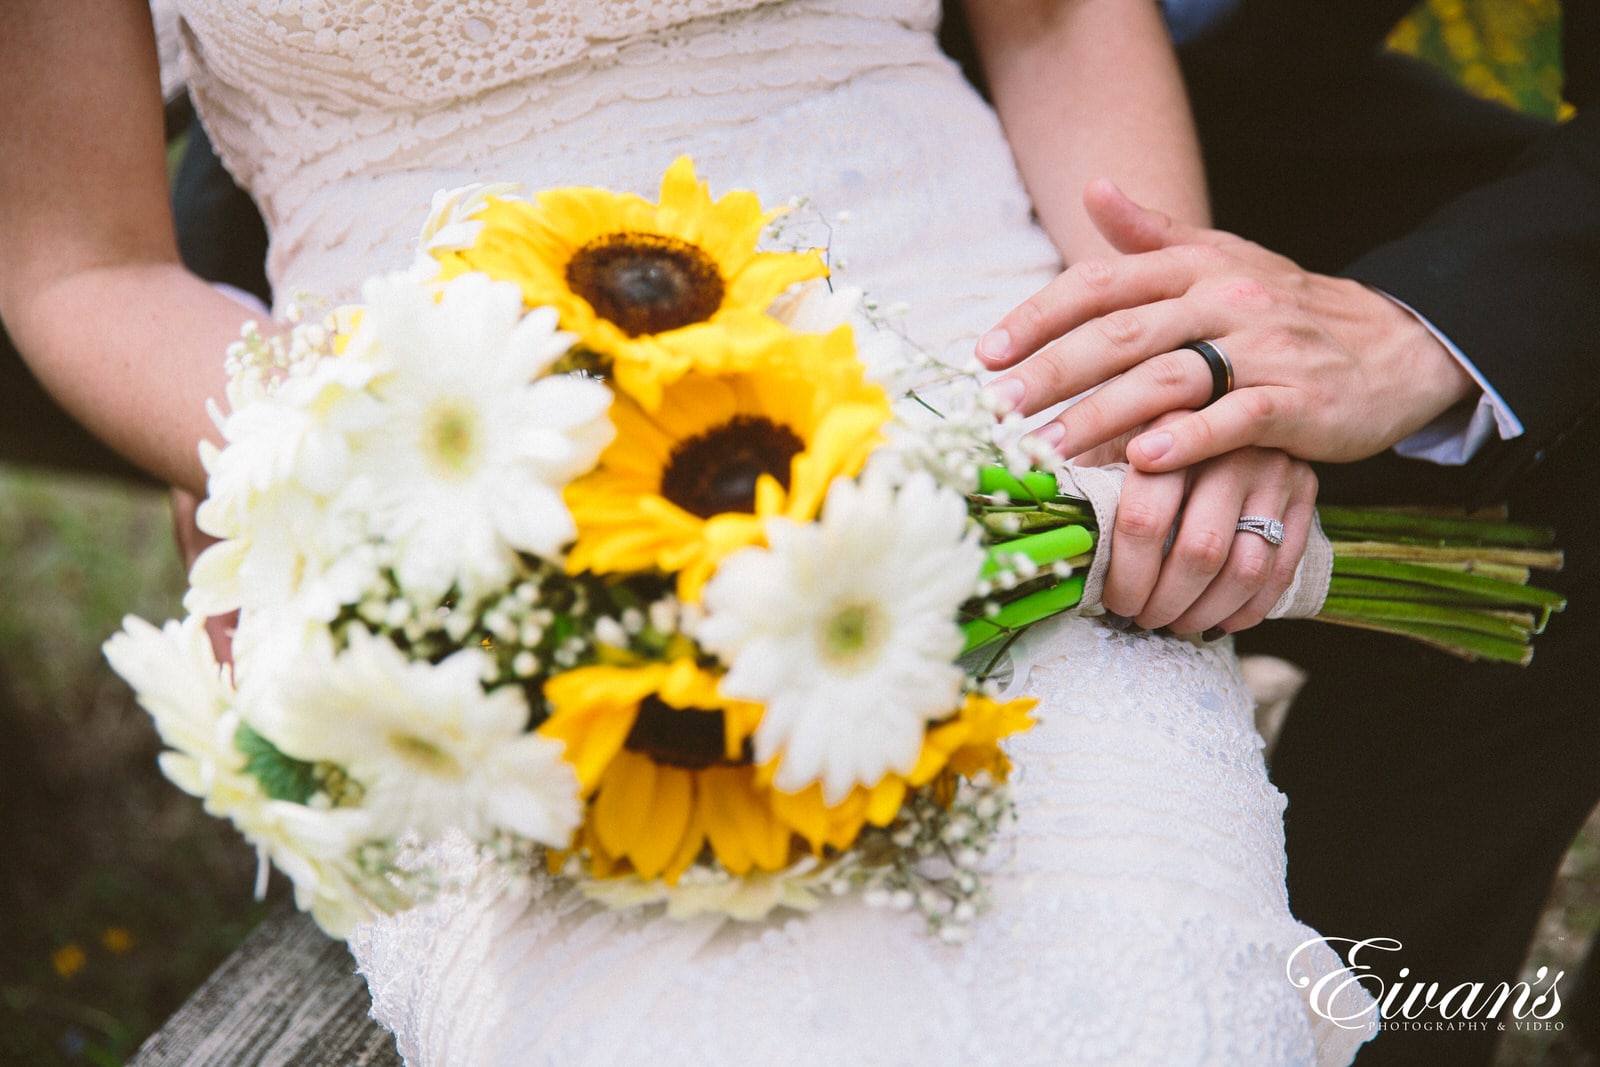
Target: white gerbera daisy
<point>846,630</point>
<point>468,464</point>
<point>292,554</point>
<point>316,849</point>
<point>297,432</point>
<point>176,678</point>
<point>429,747</point>
<point>179,682</point>
<point>452,223</point>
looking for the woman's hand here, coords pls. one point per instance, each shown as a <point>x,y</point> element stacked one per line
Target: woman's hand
<point>1213,577</point>
<point>191,542</point>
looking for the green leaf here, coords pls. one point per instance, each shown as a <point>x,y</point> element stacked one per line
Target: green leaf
<point>281,777</point>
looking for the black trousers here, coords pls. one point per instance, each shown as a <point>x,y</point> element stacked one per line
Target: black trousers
<point>1430,800</point>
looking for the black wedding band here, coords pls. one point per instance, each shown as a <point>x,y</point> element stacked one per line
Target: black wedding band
<point>1221,369</point>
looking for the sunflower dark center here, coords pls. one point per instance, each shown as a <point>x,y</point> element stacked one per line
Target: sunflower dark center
<point>691,738</point>
<point>645,282</point>
<point>717,471</point>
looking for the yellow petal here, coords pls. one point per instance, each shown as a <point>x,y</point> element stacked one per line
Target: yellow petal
<point>692,839</point>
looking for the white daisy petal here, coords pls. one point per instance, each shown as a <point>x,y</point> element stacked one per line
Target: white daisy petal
<point>469,433</point>
<point>431,748</point>
<point>846,630</point>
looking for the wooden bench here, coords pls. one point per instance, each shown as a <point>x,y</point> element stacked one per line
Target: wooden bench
<point>288,997</point>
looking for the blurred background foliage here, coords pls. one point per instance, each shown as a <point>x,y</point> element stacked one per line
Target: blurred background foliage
<point>1505,50</point>
<point>118,895</point>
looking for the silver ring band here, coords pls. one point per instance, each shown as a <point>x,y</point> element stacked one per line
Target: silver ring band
<point>1220,366</point>
<point>1261,526</point>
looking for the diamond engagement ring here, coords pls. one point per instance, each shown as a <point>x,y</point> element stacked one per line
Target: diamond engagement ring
<point>1261,526</point>
<point>1220,366</point>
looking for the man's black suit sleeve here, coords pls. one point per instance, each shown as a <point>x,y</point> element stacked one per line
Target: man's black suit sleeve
<point>1510,272</point>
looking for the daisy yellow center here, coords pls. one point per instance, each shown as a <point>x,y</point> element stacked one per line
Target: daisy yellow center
<point>717,471</point>
<point>852,635</point>
<point>450,438</point>
<point>691,738</point>
<point>424,756</point>
<point>646,283</point>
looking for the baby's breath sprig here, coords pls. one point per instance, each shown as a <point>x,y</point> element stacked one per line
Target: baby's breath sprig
<point>258,359</point>
<point>931,858</point>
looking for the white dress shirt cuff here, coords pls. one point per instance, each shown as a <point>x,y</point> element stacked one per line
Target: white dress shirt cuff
<point>1455,436</point>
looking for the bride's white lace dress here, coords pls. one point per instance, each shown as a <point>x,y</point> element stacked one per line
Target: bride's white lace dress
<point>1140,913</point>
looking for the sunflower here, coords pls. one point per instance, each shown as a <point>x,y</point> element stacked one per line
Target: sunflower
<point>661,757</point>
<point>656,288</point>
<point>965,744</point>
<point>686,484</point>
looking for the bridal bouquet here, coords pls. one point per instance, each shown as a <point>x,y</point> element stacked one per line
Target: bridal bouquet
<point>598,537</point>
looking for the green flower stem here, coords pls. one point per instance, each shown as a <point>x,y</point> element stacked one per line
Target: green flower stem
<point>1442,615</point>
<point>1023,612</point>
<point>1440,529</point>
<point>1457,583</point>
<point>1071,508</point>
<point>1456,642</point>
<point>1046,548</point>
<point>1472,587</point>
<point>1541,559</point>
<point>1009,522</point>
<point>1378,589</point>
<point>1035,485</point>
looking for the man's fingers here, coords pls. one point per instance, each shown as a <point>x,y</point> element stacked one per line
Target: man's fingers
<point>1131,340</point>
<point>1253,415</point>
<point>1170,382</point>
<point>1082,292</point>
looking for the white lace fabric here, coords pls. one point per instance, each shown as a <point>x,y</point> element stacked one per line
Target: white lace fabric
<point>344,142</point>
<point>1140,913</point>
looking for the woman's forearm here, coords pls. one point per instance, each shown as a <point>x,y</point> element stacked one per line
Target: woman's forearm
<point>1089,89</point>
<point>134,352</point>
<point>91,289</point>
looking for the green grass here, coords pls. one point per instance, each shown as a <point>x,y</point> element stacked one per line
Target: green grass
<point>106,863</point>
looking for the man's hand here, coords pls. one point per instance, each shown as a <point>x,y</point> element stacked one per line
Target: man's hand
<point>1324,368</point>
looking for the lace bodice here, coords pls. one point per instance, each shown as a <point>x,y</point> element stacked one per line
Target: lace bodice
<point>343,117</point>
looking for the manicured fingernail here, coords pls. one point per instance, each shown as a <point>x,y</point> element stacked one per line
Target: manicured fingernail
<point>994,345</point>
<point>1216,633</point>
<point>1118,622</point>
<point>1006,394</point>
<point>1047,437</point>
<point>1152,446</point>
